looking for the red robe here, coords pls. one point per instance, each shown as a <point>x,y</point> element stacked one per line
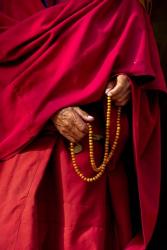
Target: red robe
<point>62,56</point>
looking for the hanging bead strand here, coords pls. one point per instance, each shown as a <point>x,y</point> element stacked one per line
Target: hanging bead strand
<point>107,155</point>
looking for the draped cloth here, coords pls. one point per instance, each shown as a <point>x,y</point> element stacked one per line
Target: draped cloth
<point>61,56</point>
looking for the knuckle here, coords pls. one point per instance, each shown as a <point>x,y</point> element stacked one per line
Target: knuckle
<point>120,104</point>
<point>77,139</point>
<point>63,131</point>
<point>71,115</point>
<point>84,128</point>
<point>66,124</point>
<point>123,103</point>
<point>81,137</point>
<point>72,140</point>
<point>119,99</point>
<point>114,98</point>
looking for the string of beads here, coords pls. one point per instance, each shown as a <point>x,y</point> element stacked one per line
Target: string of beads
<point>107,155</point>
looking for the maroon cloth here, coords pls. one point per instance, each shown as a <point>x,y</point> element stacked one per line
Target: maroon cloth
<point>62,56</point>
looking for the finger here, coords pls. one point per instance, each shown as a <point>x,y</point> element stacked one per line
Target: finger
<point>70,124</point>
<point>69,138</point>
<point>65,133</point>
<point>85,116</point>
<point>75,122</point>
<point>124,80</point>
<point>121,85</point>
<point>73,135</point>
<point>122,102</point>
<point>79,125</point>
<point>122,95</point>
<point>78,135</point>
<point>82,126</point>
<point>116,90</point>
<point>110,86</point>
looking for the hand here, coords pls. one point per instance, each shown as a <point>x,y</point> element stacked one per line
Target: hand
<point>71,122</point>
<point>119,89</point>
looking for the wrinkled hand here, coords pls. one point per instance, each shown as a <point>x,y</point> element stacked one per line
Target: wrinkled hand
<point>119,89</point>
<point>71,122</point>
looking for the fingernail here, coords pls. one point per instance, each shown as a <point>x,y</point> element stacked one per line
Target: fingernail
<point>109,94</point>
<point>90,117</point>
<point>107,91</point>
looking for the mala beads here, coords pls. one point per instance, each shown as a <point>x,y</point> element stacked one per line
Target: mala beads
<point>107,155</point>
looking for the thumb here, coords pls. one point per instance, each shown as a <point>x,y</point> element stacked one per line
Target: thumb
<point>110,86</point>
<point>85,116</point>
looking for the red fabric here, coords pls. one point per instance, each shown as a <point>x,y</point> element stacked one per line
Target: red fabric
<point>64,55</point>
<point>53,208</point>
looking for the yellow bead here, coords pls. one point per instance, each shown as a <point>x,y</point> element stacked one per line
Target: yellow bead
<point>107,155</point>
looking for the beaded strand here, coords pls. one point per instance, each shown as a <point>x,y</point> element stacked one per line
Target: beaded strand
<point>107,155</point>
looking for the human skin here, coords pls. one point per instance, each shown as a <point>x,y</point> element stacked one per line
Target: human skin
<point>71,122</point>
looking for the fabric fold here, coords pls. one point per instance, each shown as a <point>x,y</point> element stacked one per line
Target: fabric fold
<point>63,56</point>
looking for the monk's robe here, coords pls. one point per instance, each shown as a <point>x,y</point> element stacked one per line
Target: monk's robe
<point>62,56</point>
<point>159,21</point>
